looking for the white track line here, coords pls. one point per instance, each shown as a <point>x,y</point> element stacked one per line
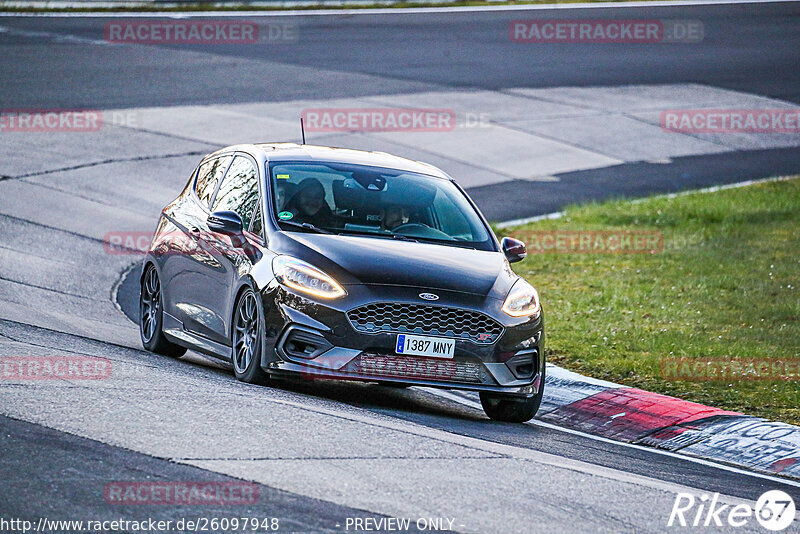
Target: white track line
<point>472,404</point>
<point>713,189</point>
<point>393,11</point>
<point>526,220</point>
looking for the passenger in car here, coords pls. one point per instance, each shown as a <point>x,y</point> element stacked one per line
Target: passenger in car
<point>283,192</point>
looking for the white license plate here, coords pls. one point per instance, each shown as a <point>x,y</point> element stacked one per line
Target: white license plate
<point>434,347</point>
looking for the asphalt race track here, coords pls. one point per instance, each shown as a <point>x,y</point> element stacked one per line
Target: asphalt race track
<point>747,47</point>
<point>319,453</point>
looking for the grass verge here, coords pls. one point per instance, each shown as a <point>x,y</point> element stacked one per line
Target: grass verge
<point>725,287</point>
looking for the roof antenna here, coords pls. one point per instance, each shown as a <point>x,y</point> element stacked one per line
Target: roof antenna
<point>302,130</point>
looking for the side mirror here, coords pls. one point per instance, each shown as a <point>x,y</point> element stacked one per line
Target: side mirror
<point>225,222</point>
<point>514,249</point>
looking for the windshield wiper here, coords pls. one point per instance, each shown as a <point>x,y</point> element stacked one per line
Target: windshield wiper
<point>435,241</point>
<point>345,231</point>
<point>307,226</point>
<point>401,237</point>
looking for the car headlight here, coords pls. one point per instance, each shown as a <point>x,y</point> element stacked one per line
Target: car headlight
<point>522,300</point>
<point>304,277</point>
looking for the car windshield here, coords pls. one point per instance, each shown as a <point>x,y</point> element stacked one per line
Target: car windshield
<point>375,202</point>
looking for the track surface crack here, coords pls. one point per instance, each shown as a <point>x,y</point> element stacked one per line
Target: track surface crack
<point>103,162</point>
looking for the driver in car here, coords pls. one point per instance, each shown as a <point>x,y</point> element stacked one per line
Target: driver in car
<point>392,217</point>
<point>308,204</point>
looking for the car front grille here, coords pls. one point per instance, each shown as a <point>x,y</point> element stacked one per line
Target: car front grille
<point>426,320</point>
<point>379,365</point>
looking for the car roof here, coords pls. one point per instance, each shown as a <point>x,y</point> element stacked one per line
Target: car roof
<point>297,152</point>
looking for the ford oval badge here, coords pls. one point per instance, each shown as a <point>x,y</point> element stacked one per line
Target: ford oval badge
<point>428,296</point>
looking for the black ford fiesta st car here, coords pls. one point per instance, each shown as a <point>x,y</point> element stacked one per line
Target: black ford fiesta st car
<point>297,260</point>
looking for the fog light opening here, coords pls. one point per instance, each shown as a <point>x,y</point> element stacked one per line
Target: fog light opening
<point>524,370</point>
<point>524,363</point>
<point>304,344</point>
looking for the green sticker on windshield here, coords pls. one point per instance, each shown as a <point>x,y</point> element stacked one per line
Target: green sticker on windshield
<point>285,215</point>
<point>282,176</point>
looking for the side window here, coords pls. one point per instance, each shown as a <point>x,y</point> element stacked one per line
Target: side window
<point>208,177</point>
<point>239,190</point>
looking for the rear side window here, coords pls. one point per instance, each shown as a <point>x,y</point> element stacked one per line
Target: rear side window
<point>239,190</point>
<point>209,176</point>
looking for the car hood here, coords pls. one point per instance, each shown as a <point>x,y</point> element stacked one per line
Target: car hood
<point>376,261</point>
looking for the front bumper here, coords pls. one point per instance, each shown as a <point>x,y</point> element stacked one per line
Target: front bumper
<point>315,339</point>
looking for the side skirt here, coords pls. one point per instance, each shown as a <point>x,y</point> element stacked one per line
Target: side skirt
<point>174,331</point>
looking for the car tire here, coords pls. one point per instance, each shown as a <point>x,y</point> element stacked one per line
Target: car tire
<point>151,314</point>
<point>509,409</point>
<point>247,332</point>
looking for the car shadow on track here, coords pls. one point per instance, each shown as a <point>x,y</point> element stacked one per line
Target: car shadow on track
<point>376,397</point>
<point>406,403</point>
